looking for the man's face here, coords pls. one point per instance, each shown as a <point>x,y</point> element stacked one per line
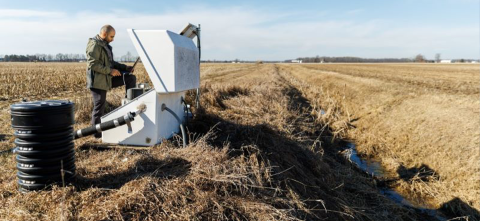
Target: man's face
<point>108,37</point>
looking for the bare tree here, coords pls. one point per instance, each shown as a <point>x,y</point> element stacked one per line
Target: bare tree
<point>129,56</point>
<point>437,57</point>
<point>59,57</point>
<point>420,58</point>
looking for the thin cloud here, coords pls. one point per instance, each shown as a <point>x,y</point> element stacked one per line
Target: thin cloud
<point>355,11</point>
<point>22,13</point>
<point>240,32</point>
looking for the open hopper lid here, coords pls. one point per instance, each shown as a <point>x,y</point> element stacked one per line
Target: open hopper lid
<point>170,59</point>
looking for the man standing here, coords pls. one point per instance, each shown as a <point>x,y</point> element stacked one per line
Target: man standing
<point>103,73</point>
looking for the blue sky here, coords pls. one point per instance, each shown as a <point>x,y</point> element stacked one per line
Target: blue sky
<point>252,30</point>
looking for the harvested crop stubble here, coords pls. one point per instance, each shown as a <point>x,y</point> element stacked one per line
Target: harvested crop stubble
<point>420,120</point>
<point>258,154</point>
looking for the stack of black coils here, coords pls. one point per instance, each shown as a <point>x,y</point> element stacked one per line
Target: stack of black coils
<point>44,143</point>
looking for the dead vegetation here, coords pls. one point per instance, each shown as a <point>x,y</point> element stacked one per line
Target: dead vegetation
<point>264,147</point>
<point>420,121</point>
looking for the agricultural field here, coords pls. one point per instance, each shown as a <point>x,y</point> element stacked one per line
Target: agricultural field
<point>420,121</point>
<point>270,142</point>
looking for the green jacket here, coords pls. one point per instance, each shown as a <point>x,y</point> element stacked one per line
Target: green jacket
<point>100,64</point>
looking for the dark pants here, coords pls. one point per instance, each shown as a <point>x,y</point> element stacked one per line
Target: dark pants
<point>100,97</point>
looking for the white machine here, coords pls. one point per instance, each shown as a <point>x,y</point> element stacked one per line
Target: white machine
<point>173,65</point>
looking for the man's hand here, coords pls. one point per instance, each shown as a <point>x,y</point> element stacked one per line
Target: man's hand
<point>130,69</point>
<point>115,73</point>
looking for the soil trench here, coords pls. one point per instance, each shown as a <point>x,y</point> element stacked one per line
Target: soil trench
<point>370,167</point>
<point>325,102</point>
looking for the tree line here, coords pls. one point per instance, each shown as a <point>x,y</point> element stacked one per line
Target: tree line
<point>319,59</point>
<point>419,58</point>
<point>45,58</point>
<point>60,57</point>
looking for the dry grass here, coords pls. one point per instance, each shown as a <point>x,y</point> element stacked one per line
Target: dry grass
<point>413,118</point>
<point>261,150</point>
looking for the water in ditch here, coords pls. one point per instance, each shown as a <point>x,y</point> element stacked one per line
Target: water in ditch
<point>375,169</point>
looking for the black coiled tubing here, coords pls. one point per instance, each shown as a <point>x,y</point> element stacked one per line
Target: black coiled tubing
<point>44,143</point>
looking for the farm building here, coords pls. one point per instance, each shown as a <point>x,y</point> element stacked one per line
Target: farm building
<point>296,61</point>
<point>446,61</point>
